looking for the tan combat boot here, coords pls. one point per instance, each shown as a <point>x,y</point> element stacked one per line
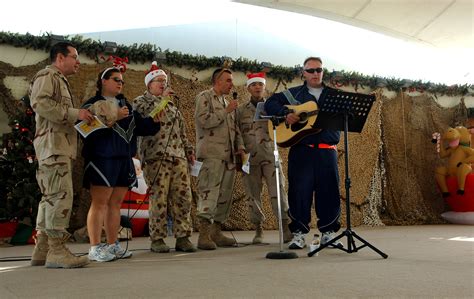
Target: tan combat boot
<point>38,258</point>
<point>204,240</point>
<point>258,239</point>
<point>287,235</point>
<point>183,244</point>
<point>59,255</point>
<point>159,246</point>
<point>219,238</point>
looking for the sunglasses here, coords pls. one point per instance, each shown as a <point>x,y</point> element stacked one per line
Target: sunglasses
<point>159,80</point>
<point>118,80</point>
<point>312,71</point>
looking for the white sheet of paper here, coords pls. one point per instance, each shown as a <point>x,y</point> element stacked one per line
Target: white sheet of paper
<point>246,165</point>
<point>196,168</point>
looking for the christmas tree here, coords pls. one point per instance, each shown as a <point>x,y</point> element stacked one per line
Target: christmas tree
<point>19,191</point>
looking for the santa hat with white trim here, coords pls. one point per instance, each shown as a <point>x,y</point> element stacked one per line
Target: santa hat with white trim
<point>256,77</point>
<point>154,72</point>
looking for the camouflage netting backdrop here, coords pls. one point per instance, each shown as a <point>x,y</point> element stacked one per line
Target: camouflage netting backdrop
<point>391,162</point>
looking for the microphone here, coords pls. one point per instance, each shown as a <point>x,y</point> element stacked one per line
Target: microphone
<point>121,100</point>
<point>234,95</point>
<point>123,103</point>
<point>271,117</point>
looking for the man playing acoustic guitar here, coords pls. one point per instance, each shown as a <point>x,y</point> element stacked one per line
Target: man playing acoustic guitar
<point>312,161</point>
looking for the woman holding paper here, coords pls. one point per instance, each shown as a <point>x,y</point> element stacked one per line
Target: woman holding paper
<point>109,169</point>
<point>166,157</point>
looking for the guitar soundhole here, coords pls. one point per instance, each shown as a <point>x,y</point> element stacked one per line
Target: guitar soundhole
<point>298,126</point>
<point>303,116</point>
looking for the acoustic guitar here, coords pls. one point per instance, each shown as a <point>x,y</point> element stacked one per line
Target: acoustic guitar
<point>288,135</point>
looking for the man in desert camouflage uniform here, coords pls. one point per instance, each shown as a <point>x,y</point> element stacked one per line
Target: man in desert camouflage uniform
<point>55,145</point>
<point>218,142</point>
<point>167,156</point>
<point>262,161</point>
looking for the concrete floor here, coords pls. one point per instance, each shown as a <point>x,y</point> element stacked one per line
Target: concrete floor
<point>432,261</point>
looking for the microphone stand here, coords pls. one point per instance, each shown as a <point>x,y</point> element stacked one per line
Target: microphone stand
<point>280,254</point>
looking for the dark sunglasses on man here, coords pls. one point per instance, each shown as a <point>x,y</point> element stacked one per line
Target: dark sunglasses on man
<point>312,71</point>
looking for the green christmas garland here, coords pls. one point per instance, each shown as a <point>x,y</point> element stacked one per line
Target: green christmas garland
<point>147,52</point>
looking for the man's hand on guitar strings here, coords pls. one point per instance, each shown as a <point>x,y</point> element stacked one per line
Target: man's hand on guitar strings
<point>292,118</point>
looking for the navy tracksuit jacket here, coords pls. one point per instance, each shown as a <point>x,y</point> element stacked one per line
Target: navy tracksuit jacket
<point>310,169</point>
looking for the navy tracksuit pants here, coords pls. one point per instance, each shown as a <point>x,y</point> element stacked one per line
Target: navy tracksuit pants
<point>313,176</point>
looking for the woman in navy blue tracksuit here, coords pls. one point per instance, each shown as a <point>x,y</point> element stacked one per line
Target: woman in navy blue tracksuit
<point>109,170</point>
<point>312,162</point>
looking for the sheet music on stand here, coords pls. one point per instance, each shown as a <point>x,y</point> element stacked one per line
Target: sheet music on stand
<point>338,102</point>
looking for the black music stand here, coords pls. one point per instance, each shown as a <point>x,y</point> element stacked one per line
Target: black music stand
<point>345,111</point>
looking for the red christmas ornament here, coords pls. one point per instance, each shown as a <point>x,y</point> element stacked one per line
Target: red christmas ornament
<point>23,130</point>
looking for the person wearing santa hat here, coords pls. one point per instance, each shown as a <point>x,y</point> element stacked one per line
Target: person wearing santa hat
<point>166,157</point>
<point>258,143</point>
<point>218,143</point>
<point>312,162</point>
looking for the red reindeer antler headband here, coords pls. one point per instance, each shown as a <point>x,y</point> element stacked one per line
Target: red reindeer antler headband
<point>119,64</point>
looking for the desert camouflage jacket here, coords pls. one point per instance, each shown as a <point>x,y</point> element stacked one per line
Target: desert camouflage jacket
<point>171,140</point>
<point>217,134</point>
<point>255,135</point>
<point>51,100</point>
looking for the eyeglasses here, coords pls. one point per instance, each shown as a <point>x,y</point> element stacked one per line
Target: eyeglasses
<point>159,80</point>
<point>118,80</point>
<point>312,71</point>
<point>75,57</point>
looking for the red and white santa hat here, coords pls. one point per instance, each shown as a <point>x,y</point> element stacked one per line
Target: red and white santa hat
<point>256,77</point>
<point>154,72</point>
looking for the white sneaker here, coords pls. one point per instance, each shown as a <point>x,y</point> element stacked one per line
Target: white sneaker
<point>118,251</point>
<point>297,242</point>
<point>100,253</point>
<point>328,236</point>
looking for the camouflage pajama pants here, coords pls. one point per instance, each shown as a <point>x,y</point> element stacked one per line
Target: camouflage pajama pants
<point>54,176</point>
<point>215,185</point>
<point>172,194</point>
<point>253,184</point>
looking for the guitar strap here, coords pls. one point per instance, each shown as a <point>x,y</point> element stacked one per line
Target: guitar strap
<point>290,97</point>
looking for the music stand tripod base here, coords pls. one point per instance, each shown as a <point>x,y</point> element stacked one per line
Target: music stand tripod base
<point>348,112</point>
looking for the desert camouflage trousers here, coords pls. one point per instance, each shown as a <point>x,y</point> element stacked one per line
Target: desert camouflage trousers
<point>54,176</point>
<point>215,185</point>
<point>170,195</point>
<point>253,184</point>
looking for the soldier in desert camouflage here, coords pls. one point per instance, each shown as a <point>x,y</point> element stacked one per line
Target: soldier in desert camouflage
<point>167,156</point>
<point>55,145</point>
<point>260,146</point>
<point>218,142</point>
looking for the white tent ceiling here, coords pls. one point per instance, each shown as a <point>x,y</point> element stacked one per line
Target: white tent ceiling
<point>439,23</point>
